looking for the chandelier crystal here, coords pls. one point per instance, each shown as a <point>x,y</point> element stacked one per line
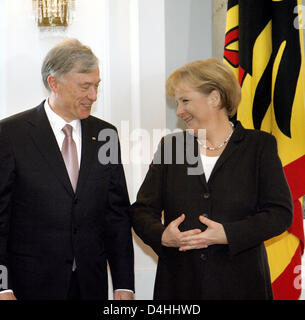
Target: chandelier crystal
<point>53,13</point>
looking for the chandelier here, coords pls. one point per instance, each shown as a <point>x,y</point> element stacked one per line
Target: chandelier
<point>53,13</point>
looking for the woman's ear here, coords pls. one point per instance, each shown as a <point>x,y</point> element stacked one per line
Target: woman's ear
<point>214,98</point>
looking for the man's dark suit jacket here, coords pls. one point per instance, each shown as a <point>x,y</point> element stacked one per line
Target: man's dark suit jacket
<point>44,224</point>
<point>247,193</point>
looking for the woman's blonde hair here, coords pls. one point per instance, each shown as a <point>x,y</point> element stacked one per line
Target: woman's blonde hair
<point>205,76</point>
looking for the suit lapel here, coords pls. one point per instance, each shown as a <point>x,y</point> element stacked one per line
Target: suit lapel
<point>89,150</point>
<point>44,139</point>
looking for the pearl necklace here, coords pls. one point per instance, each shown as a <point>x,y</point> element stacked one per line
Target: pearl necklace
<point>219,146</point>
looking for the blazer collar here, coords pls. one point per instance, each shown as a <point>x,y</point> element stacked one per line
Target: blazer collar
<point>232,146</point>
<point>89,150</point>
<point>238,133</point>
<point>193,148</point>
<point>44,138</point>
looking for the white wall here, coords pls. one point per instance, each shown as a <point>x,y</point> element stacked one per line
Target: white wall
<point>188,38</point>
<point>23,48</point>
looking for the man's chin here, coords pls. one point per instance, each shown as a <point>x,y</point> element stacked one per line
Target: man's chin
<point>85,114</point>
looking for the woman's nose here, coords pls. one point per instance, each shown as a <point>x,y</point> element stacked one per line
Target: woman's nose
<point>180,110</point>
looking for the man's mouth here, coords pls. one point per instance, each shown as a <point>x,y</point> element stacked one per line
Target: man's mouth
<point>86,106</point>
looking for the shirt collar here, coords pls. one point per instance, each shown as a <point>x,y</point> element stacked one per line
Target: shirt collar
<point>57,122</point>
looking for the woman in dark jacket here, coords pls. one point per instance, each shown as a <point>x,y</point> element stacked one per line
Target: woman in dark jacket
<point>222,191</point>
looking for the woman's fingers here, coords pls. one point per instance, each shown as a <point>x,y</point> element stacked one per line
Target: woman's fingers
<point>178,221</point>
<point>193,246</point>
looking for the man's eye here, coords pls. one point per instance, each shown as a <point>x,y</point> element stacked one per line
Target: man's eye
<point>185,101</point>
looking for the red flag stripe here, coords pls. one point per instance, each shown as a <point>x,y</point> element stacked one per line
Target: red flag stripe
<point>232,57</point>
<point>297,224</point>
<point>295,175</point>
<point>241,75</point>
<point>231,36</point>
<point>287,285</point>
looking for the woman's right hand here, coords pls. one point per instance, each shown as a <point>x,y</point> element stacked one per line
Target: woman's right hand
<point>7,296</point>
<point>173,237</point>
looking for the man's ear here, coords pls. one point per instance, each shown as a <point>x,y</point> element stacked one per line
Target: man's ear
<point>53,83</point>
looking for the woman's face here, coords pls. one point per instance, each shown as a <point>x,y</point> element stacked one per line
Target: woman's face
<point>193,107</point>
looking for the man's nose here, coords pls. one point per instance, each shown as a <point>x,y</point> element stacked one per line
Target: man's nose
<point>92,94</point>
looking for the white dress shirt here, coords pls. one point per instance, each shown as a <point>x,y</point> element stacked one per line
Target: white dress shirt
<point>57,123</point>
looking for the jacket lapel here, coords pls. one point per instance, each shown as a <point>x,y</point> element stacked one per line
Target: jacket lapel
<point>44,139</point>
<point>89,150</point>
<point>192,148</point>
<point>232,146</point>
<point>192,152</point>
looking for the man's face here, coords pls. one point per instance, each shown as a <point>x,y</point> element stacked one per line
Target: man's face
<point>74,94</point>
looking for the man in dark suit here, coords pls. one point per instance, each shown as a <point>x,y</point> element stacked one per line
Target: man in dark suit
<point>63,207</point>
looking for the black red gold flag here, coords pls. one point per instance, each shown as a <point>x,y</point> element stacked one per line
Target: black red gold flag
<point>264,46</point>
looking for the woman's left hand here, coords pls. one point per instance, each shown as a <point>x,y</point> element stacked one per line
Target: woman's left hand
<point>214,234</point>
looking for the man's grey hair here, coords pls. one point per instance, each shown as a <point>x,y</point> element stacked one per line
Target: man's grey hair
<point>66,56</point>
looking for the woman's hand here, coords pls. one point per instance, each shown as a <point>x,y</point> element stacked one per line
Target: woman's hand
<point>7,296</point>
<point>214,234</point>
<point>172,236</point>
